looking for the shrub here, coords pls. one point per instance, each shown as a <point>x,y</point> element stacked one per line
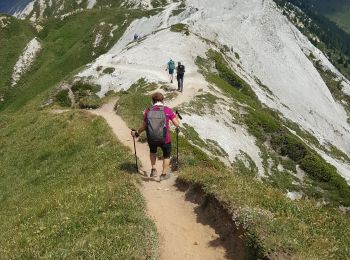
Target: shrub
<point>180,27</point>
<point>288,145</point>
<point>85,95</point>
<point>317,168</point>
<point>237,56</point>
<point>158,3</point>
<point>109,70</point>
<point>265,120</point>
<point>81,87</point>
<point>92,102</point>
<point>62,98</point>
<point>227,74</point>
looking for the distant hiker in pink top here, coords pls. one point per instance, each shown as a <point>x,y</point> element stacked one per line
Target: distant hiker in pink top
<point>157,126</point>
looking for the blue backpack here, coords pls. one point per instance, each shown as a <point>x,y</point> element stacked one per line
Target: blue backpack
<point>171,65</point>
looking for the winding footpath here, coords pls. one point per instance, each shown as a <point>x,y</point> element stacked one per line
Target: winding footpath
<point>181,235</point>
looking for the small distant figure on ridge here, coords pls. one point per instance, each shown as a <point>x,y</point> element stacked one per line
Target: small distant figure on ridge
<point>136,37</point>
<point>171,69</point>
<point>180,76</point>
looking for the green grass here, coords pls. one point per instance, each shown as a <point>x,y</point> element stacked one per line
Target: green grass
<point>108,70</point>
<point>90,102</point>
<point>334,85</point>
<point>66,191</point>
<point>275,226</point>
<point>67,46</point>
<point>85,95</point>
<point>82,89</point>
<point>180,28</point>
<point>57,8</point>
<point>134,101</point>
<point>159,3</point>
<point>202,103</point>
<point>13,40</point>
<point>62,98</point>
<point>180,8</point>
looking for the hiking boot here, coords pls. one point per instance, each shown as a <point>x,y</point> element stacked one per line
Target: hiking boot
<point>164,177</point>
<point>153,173</point>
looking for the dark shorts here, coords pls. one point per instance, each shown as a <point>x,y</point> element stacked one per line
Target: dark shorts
<point>171,72</point>
<point>166,148</point>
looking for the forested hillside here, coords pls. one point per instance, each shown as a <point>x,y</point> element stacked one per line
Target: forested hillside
<point>336,10</point>
<point>323,32</point>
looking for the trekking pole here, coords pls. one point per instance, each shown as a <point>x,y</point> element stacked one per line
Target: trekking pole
<point>136,163</point>
<point>177,140</point>
<point>177,147</point>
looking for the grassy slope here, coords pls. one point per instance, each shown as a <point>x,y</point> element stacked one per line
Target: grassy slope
<point>65,191</point>
<point>13,39</point>
<point>275,225</point>
<point>265,124</point>
<point>67,45</point>
<point>299,229</point>
<point>80,199</point>
<point>65,188</point>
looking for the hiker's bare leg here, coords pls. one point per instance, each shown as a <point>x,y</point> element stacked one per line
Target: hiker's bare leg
<point>153,157</point>
<point>166,164</point>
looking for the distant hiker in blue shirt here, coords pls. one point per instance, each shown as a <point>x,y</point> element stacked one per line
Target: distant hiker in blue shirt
<point>171,69</point>
<point>136,37</point>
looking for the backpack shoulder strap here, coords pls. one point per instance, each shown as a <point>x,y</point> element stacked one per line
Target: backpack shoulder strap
<point>161,108</point>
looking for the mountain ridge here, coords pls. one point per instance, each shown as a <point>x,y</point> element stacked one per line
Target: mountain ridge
<point>262,105</point>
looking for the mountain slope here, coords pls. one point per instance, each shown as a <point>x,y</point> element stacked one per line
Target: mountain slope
<point>66,45</point>
<point>65,190</point>
<point>39,10</point>
<point>15,35</point>
<point>320,30</point>
<point>262,54</point>
<point>263,108</point>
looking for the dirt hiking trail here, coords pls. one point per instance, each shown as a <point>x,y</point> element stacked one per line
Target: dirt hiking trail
<point>181,236</point>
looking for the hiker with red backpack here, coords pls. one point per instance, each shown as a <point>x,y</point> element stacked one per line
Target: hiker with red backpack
<point>180,76</point>
<point>156,123</point>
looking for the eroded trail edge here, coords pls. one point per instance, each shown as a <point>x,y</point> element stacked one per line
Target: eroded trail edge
<point>182,233</point>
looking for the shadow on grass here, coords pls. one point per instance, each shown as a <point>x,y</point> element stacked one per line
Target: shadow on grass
<point>129,168</point>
